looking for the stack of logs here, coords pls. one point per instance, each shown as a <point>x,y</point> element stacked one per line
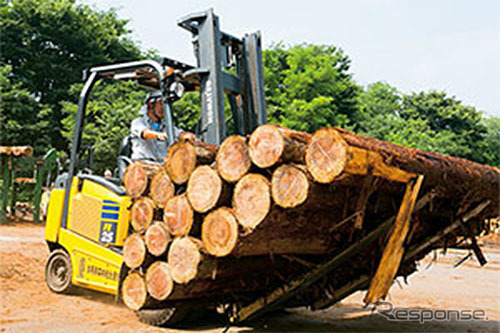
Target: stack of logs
<point>204,203</point>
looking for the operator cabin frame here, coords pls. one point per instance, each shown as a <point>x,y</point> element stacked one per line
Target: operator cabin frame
<point>217,54</point>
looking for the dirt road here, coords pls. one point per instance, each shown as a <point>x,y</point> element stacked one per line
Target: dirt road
<point>26,304</point>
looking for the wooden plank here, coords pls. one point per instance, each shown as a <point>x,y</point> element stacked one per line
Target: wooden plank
<point>393,251</point>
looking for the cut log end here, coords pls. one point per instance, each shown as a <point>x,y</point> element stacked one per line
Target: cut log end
<point>204,188</point>
<point>159,281</point>
<point>266,146</point>
<point>219,232</point>
<point>326,155</point>
<point>134,251</point>
<point>180,162</point>
<point>161,189</point>
<point>233,159</point>
<point>141,214</point>
<point>251,200</point>
<point>134,292</point>
<point>135,179</point>
<point>183,260</point>
<point>178,216</point>
<point>157,239</point>
<point>289,186</point>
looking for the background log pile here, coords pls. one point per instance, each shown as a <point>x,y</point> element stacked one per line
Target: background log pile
<point>244,217</point>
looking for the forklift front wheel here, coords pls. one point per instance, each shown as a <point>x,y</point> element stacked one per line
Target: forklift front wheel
<point>58,272</point>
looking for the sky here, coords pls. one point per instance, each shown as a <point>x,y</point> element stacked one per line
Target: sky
<point>445,45</point>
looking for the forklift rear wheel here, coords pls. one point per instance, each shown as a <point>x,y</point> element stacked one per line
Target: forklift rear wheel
<point>58,272</point>
<point>162,317</point>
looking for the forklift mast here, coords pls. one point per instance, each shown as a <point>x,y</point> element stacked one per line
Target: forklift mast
<point>226,65</point>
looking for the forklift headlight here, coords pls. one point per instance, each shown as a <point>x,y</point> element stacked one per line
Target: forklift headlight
<point>177,89</point>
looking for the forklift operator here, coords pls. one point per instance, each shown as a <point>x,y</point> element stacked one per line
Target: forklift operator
<point>148,131</point>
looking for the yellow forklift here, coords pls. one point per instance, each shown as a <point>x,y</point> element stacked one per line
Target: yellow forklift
<point>88,215</point>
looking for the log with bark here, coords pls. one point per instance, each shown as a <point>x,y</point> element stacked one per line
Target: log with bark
<point>134,251</point>
<point>270,144</point>
<point>137,175</point>
<point>178,216</point>
<point>183,259</point>
<point>233,159</point>
<point>134,291</point>
<point>157,239</point>
<point>219,232</point>
<point>251,200</point>
<point>289,186</point>
<point>161,189</point>
<point>141,214</point>
<point>159,282</point>
<point>16,150</point>
<point>183,157</point>
<point>332,151</point>
<point>206,190</point>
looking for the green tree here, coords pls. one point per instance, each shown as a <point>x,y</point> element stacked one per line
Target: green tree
<point>491,151</point>
<point>458,129</point>
<point>379,108</point>
<point>110,111</point>
<point>49,42</point>
<point>309,86</point>
<point>23,120</point>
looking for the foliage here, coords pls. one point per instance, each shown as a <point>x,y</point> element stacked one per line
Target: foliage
<point>48,43</point>
<point>309,86</point>
<point>491,150</point>
<point>23,121</point>
<point>110,111</point>
<point>430,121</point>
<point>457,128</point>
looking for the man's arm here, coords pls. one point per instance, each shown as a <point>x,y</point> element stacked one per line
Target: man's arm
<point>151,135</point>
<point>140,130</point>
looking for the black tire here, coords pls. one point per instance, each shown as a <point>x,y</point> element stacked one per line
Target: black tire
<point>58,272</point>
<point>162,317</point>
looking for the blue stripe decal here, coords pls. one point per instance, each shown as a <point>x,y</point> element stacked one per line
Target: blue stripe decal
<point>109,216</point>
<point>110,202</point>
<point>112,208</point>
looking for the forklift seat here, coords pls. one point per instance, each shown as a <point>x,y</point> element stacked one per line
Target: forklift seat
<point>124,155</point>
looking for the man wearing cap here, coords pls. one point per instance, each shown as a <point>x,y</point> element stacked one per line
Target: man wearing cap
<point>148,131</point>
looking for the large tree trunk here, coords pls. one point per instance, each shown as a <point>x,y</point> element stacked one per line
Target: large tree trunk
<point>289,186</point>
<point>136,177</point>
<point>219,232</point>
<point>206,190</point>
<point>233,159</point>
<point>134,251</point>
<point>159,282</point>
<point>332,151</point>
<point>141,214</point>
<point>178,216</point>
<point>157,239</point>
<point>251,200</point>
<point>183,157</point>
<point>183,259</point>
<point>161,189</point>
<point>270,144</point>
<point>134,292</point>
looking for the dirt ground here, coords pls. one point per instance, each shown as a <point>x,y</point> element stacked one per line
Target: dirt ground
<point>26,304</point>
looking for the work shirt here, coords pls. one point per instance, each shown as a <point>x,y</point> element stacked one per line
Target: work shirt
<point>142,149</point>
